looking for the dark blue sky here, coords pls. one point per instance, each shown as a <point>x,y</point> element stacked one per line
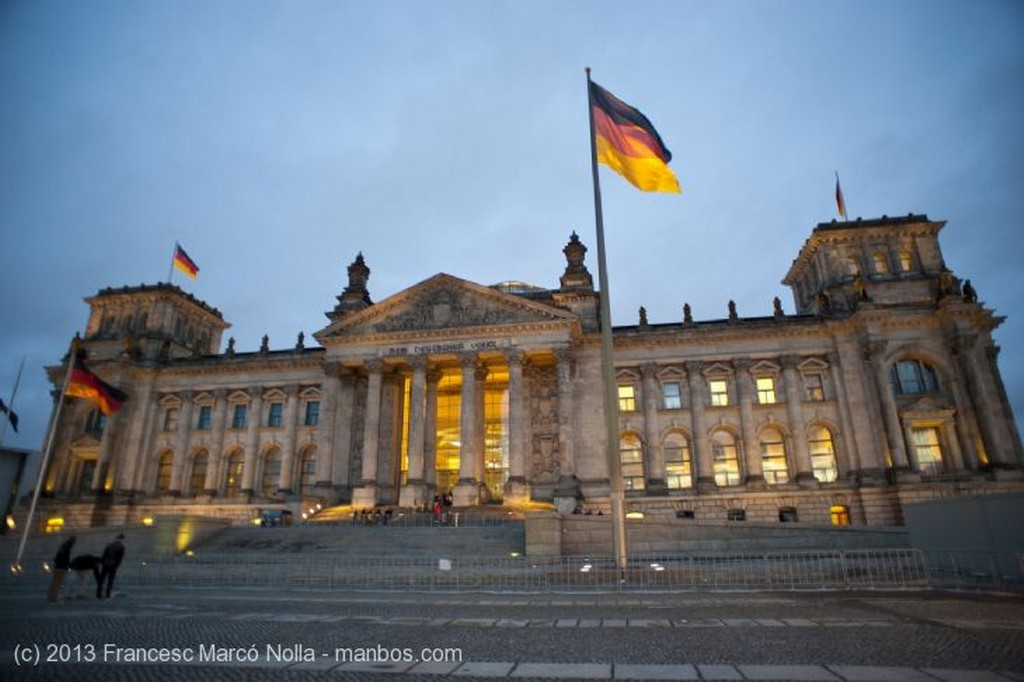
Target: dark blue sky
<point>275,140</point>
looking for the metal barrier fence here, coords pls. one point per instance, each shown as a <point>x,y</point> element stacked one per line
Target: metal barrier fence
<point>890,569</point>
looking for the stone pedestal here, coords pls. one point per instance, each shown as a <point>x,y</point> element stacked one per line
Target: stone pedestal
<point>467,493</point>
<point>516,491</point>
<point>413,495</point>
<point>365,497</point>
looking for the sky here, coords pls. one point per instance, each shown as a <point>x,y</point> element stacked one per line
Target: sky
<point>276,140</point>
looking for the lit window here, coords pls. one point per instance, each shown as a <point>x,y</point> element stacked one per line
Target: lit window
<point>170,418</point>
<point>163,472</point>
<point>271,473</point>
<point>928,450</point>
<point>814,387</point>
<point>233,475</point>
<point>881,263</point>
<point>671,395</point>
<point>274,415</point>
<point>911,377</point>
<point>726,461</point>
<point>765,390</point>
<point>823,454</point>
<point>312,413</point>
<point>678,474</point>
<point>906,261</point>
<point>719,392</point>
<point>773,457</point>
<point>205,418</point>
<point>238,417</point>
<point>840,515</point>
<point>627,398</point>
<point>199,466</point>
<point>632,461</point>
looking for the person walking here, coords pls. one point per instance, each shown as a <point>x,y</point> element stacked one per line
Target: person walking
<point>82,565</point>
<point>113,554</point>
<point>61,563</point>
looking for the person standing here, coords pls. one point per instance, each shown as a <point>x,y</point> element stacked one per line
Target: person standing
<point>113,554</point>
<point>82,565</point>
<point>61,564</point>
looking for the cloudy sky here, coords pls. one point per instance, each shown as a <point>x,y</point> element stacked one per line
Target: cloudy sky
<point>276,140</point>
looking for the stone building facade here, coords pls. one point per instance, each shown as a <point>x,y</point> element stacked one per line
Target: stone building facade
<point>880,390</point>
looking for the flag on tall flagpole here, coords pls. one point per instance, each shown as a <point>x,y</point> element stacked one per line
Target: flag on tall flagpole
<point>11,415</point>
<point>840,203</point>
<point>628,143</point>
<point>184,263</point>
<point>85,384</point>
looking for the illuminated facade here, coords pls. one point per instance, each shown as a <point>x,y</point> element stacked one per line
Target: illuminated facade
<point>882,389</point>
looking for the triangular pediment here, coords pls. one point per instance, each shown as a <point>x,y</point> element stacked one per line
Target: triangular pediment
<point>444,302</point>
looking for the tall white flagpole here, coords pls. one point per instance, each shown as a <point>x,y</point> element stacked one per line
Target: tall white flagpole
<point>616,492</point>
<point>44,462</point>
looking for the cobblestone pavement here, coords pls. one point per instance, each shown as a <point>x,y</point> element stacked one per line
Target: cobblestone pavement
<point>236,634</point>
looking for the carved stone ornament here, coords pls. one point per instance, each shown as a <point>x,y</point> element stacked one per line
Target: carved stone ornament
<point>444,308</point>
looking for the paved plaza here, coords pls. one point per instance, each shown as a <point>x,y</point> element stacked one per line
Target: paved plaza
<point>153,633</point>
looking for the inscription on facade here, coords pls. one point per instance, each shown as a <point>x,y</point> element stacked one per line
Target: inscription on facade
<point>442,348</point>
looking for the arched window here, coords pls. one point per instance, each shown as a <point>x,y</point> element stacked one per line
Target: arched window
<point>200,464</point>
<point>95,423</point>
<point>307,471</point>
<point>773,457</point>
<point>823,454</point>
<point>632,460</point>
<point>840,515</point>
<point>726,460</point>
<point>233,475</point>
<point>271,472</point>
<point>906,260</point>
<point>678,472</point>
<point>880,262</point>
<point>163,472</point>
<point>911,377</point>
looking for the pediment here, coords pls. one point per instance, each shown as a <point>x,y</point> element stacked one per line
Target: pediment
<point>445,302</point>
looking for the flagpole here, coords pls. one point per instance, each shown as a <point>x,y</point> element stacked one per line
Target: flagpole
<point>10,403</point>
<point>170,270</point>
<point>616,493</point>
<point>44,462</point>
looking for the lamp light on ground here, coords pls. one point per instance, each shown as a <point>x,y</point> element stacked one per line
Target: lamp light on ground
<point>147,521</point>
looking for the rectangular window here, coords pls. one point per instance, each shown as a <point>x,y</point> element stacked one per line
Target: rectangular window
<point>928,450</point>
<point>814,387</point>
<point>171,419</point>
<point>671,395</point>
<point>205,418</point>
<point>238,417</point>
<point>765,390</point>
<point>274,415</point>
<point>719,392</point>
<point>312,413</point>
<point>627,398</point>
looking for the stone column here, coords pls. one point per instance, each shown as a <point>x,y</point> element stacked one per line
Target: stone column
<point>876,352</point>
<point>1002,441</point>
<point>103,462</point>
<point>252,439</point>
<point>329,391</point>
<point>414,491</point>
<point>180,442</point>
<point>848,458</point>
<point>797,426</point>
<point>344,413</point>
<point>467,492</point>
<point>430,432</point>
<point>141,407</point>
<point>705,471</point>
<point>291,422</point>
<point>753,463</point>
<point>517,490</point>
<point>215,464</point>
<point>653,452</point>
<point>567,488</point>
<point>366,494</point>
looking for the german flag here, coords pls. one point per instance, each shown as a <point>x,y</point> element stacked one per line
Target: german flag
<point>85,384</point>
<point>184,263</point>
<point>628,144</point>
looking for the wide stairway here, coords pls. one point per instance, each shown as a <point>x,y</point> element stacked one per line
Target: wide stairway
<point>476,533</point>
